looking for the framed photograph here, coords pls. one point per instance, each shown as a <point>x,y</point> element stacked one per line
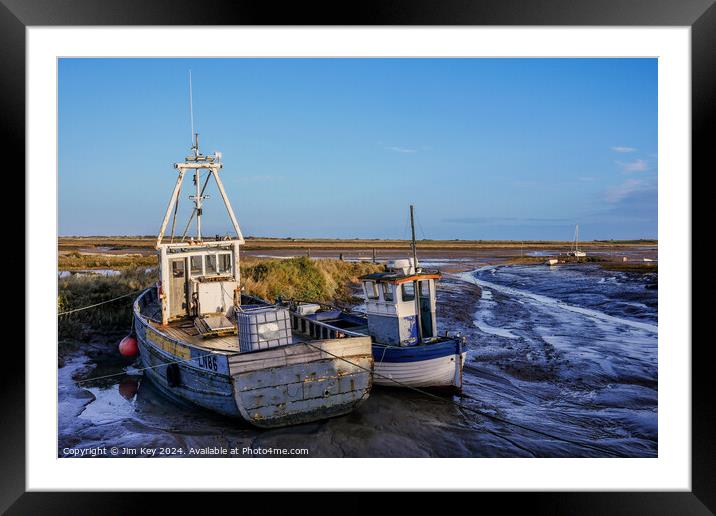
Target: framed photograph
<point>418,249</point>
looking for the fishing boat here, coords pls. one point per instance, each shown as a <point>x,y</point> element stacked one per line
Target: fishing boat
<point>202,340</point>
<point>400,306</point>
<point>574,251</point>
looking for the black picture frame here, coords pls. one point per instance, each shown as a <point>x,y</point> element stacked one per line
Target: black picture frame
<point>700,15</point>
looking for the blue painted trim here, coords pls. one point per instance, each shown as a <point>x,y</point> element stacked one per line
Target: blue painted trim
<point>395,354</point>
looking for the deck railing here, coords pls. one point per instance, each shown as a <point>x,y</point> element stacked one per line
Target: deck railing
<point>319,329</point>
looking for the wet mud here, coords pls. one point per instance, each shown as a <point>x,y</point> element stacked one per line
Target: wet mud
<point>562,362</point>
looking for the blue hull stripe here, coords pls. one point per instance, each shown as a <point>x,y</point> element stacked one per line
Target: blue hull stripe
<point>415,353</point>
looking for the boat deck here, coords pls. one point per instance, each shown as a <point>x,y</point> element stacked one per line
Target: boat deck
<point>184,330</point>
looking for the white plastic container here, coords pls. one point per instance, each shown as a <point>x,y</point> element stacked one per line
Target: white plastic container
<point>263,327</point>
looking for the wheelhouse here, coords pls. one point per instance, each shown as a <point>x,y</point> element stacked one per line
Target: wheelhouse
<point>199,277</point>
<point>400,304</point>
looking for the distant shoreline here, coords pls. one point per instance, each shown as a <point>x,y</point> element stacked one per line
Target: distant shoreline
<point>263,243</point>
<point>79,253</point>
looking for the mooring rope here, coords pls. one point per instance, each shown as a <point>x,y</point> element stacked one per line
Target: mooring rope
<point>100,303</point>
<point>124,373</point>
<point>474,410</point>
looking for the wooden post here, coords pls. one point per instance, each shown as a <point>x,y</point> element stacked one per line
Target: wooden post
<point>374,261</point>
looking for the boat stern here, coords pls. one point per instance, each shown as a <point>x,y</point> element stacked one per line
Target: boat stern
<point>303,382</point>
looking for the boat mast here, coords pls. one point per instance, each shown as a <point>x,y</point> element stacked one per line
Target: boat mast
<point>576,238</point>
<point>413,245</point>
<point>199,191</point>
<point>195,163</point>
<point>416,283</point>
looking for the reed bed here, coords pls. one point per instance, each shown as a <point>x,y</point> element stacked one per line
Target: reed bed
<point>145,243</point>
<point>79,261</point>
<point>328,281</point>
<point>637,267</point>
<point>78,291</point>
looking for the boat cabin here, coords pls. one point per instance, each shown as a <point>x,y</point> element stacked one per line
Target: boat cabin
<point>400,304</point>
<point>199,277</point>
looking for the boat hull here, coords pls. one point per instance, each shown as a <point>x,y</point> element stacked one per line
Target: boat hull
<point>437,364</point>
<point>426,366</point>
<point>281,386</point>
<point>302,382</point>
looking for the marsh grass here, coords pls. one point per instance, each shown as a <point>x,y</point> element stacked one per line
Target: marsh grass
<point>327,281</point>
<point>637,267</point>
<point>139,243</point>
<point>78,261</point>
<point>83,290</point>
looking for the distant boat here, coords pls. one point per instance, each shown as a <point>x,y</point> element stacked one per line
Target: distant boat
<point>575,245</point>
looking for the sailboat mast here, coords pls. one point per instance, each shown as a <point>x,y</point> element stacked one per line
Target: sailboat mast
<point>576,239</point>
<point>416,283</point>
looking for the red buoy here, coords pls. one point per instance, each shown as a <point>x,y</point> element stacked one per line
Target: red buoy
<point>128,346</point>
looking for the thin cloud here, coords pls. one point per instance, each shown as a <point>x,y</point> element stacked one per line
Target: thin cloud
<point>628,188</point>
<point>638,165</point>
<point>403,150</point>
<point>623,150</point>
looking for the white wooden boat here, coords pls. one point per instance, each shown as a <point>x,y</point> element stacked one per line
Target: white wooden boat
<point>400,319</point>
<point>407,350</point>
<point>191,346</point>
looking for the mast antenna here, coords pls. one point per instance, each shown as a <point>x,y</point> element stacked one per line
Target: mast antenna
<point>191,109</point>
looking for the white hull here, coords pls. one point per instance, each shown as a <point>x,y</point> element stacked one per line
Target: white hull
<point>437,372</point>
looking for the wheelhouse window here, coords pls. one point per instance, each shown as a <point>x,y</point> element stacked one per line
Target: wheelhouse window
<point>407,291</point>
<point>387,292</point>
<point>424,289</point>
<point>211,265</point>
<point>225,263</point>
<point>371,292</point>
<point>197,266</point>
<point>178,268</point>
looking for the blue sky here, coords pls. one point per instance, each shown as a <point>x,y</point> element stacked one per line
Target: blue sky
<point>485,148</point>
